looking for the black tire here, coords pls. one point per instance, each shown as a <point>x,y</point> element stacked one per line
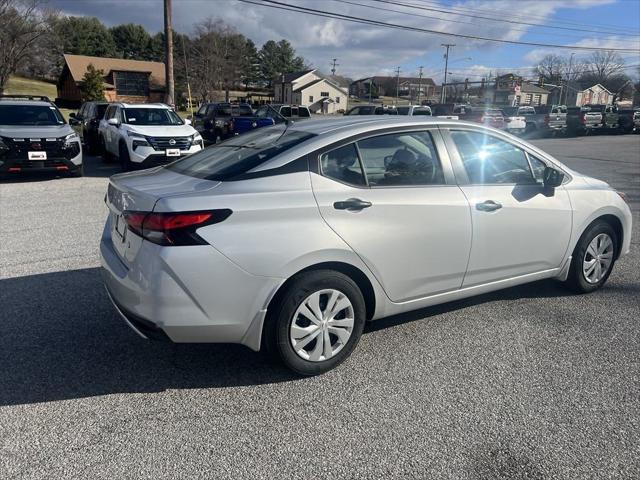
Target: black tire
<point>576,280</point>
<point>123,156</point>
<point>78,172</point>
<point>280,317</point>
<point>106,156</point>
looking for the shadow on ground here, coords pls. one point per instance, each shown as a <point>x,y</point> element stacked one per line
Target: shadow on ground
<point>61,339</point>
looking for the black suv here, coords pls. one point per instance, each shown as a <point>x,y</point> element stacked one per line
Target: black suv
<point>86,123</point>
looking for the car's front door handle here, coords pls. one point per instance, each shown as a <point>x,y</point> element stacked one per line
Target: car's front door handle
<point>352,204</point>
<point>488,206</point>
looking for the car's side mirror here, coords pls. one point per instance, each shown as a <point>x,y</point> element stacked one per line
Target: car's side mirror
<point>73,121</point>
<point>552,178</point>
<point>73,115</point>
<point>187,121</point>
<point>113,121</point>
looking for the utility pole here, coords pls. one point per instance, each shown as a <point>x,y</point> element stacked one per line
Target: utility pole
<point>446,69</point>
<point>566,94</point>
<point>420,83</point>
<point>333,66</point>
<point>397,84</point>
<point>370,85</point>
<point>168,50</point>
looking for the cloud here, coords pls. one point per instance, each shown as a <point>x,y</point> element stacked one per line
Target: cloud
<point>361,49</point>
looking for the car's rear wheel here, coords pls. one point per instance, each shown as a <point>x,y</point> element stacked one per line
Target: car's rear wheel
<point>317,322</point>
<point>78,172</point>
<point>593,258</point>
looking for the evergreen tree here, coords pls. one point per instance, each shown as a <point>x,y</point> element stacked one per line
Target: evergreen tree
<point>131,41</point>
<point>92,86</point>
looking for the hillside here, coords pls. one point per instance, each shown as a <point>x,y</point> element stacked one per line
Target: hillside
<point>27,86</point>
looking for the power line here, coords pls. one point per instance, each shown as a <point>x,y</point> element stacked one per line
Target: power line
<point>472,15</point>
<point>353,19</point>
<point>559,21</point>
<point>520,29</point>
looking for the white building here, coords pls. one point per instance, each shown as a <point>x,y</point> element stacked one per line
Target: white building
<point>596,95</point>
<point>310,90</point>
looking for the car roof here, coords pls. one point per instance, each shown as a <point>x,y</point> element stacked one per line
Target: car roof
<point>26,102</point>
<point>139,105</point>
<point>320,126</point>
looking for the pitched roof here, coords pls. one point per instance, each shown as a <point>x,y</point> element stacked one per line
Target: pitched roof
<point>531,88</point>
<point>313,82</point>
<point>293,76</point>
<point>78,65</point>
<point>380,79</point>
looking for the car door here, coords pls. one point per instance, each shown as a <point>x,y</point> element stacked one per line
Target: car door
<point>519,226</point>
<point>392,198</point>
<point>112,132</point>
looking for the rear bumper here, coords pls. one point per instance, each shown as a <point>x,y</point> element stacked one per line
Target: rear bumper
<point>188,294</point>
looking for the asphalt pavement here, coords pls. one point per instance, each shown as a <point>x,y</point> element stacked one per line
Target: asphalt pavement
<point>526,383</point>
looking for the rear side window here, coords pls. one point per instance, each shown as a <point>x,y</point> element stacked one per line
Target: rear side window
<point>238,155</point>
<point>342,164</point>
<point>401,159</point>
<point>285,111</point>
<point>489,160</point>
<point>303,112</point>
<point>99,110</point>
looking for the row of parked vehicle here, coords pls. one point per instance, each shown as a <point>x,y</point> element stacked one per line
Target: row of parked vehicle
<point>142,136</point>
<point>523,120</point>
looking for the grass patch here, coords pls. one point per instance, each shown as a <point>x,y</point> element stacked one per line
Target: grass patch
<point>29,86</point>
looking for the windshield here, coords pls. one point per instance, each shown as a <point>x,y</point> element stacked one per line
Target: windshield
<point>238,155</point>
<point>150,116</point>
<point>41,115</point>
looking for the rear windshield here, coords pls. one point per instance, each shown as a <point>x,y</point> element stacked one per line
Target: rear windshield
<point>403,110</point>
<point>512,111</point>
<point>238,155</point>
<point>31,115</point>
<point>594,108</point>
<point>422,111</point>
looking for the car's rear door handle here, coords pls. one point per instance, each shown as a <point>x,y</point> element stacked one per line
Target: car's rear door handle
<point>352,204</point>
<point>488,206</point>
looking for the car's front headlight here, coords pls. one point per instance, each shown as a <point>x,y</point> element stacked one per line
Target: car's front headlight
<point>219,123</point>
<point>196,139</point>
<point>71,138</point>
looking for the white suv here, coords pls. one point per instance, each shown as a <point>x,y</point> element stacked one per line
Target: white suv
<point>143,136</point>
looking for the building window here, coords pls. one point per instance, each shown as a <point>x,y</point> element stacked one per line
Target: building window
<point>324,94</point>
<point>310,98</point>
<point>132,83</point>
<point>527,99</point>
<point>337,99</point>
<point>536,100</point>
<point>517,101</point>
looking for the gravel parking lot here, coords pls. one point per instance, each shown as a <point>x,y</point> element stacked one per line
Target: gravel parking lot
<point>527,383</point>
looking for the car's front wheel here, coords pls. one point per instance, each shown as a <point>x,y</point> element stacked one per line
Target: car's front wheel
<point>317,322</point>
<point>593,258</point>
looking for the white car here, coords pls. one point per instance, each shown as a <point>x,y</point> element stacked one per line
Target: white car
<point>513,122</point>
<point>142,136</point>
<point>292,237</point>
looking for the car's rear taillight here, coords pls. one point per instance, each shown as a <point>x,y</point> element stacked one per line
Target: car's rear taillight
<point>583,119</point>
<point>175,228</point>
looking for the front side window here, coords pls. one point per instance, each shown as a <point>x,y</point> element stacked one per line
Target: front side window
<point>150,116</point>
<point>240,154</point>
<point>401,159</point>
<point>285,111</point>
<point>31,115</point>
<point>537,166</point>
<point>489,160</point>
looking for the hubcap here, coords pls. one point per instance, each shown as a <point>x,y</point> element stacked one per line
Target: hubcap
<point>597,258</point>
<point>322,325</point>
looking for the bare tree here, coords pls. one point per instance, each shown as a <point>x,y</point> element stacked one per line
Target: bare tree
<point>552,68</point>
<point>603,65</point>
<point>22,26</point>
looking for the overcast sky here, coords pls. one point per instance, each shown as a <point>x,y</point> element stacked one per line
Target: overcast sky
<point>364,50</point>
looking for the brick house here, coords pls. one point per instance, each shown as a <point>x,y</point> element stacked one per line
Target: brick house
<point>133,81</point>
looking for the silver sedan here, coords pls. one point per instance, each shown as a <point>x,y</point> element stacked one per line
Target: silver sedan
<point>290,238</point>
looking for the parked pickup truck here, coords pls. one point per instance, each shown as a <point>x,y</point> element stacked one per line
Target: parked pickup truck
<point>514,123</point>
<point>491,117</point>
<point>544,119</point>
<point>282,113</point>
<point>217,121</point>
<point>601,117</point>
<point>629,120</point>
<point>414,110</point>
<point>450,111</point>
